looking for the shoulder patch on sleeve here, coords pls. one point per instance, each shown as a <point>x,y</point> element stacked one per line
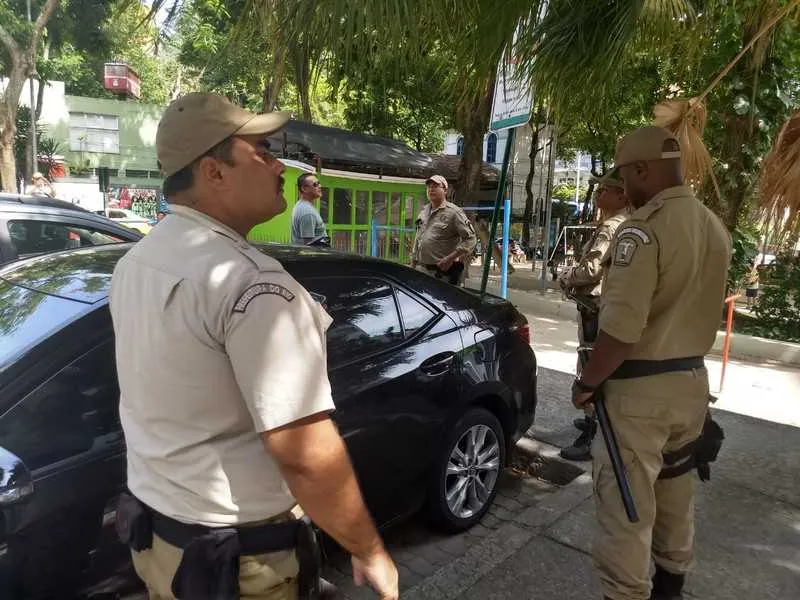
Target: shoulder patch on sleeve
<point>623,253</point>
<point>259,289</point>
<point>635,231</point>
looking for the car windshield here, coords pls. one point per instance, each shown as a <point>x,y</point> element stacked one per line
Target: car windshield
<point>28,317</point>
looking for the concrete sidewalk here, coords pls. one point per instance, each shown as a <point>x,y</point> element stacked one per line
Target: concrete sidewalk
<point>748,523</point>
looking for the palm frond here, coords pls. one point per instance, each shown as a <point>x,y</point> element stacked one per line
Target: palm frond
<point>579,47</point>
<point>686,119</point>
<point>779,185</point>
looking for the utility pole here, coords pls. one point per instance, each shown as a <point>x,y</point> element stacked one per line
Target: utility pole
<point>32,129</point>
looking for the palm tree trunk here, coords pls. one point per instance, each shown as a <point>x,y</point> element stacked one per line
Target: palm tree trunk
<point>474,121</point>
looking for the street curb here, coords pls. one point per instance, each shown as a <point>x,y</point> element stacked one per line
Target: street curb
<point>455,578</point>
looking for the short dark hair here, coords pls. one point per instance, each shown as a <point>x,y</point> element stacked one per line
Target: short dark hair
<point>183,179</point>
<point>301,181</point>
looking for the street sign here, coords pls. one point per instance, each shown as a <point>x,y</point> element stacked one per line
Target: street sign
<point>511,105</point>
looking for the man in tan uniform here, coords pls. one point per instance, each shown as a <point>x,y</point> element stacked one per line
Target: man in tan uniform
<point>584,281</point>
<point>445,236</point>
<point>225,398</point>
<point>659,315</point>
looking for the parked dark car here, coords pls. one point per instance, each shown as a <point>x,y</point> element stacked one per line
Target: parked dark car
<point>31,225</point>
<point>432,385</point>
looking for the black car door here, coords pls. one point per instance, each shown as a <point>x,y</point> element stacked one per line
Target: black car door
<point>394,365</point>
<point>66,430</point>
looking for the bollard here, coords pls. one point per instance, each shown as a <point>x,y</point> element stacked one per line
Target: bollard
<point>726,345</point>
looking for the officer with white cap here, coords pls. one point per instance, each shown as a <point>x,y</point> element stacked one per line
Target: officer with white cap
<point>225,398</point>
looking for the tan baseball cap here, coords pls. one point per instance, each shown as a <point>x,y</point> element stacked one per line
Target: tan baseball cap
<point>644,144</point>
<point>196,122</point>
<point>437,179</point>
<point>608,180</point>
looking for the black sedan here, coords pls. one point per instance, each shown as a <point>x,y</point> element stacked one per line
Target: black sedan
<point>432,385</point>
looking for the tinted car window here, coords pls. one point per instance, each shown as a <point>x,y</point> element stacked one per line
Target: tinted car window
<point>364,313</point>
<point>415,314</point>
<point>36,237</point>
<point>75,410</point>
<point>27,317</point>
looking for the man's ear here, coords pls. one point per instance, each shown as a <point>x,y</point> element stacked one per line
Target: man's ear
<point>208,168</point>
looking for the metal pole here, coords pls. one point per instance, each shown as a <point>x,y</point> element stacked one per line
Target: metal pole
<point>497,203</point>
<point>506,228</point>
<point>373,237</point>
<point>548,198</point>
<point>32,132</point>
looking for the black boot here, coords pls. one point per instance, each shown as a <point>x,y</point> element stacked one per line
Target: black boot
<point>581,449</point>
<point>666,585</point>
<point>582,423</point>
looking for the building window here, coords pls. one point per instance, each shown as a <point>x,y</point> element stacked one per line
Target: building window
<point>93,133</point>
<point>491,148</point>
<point>139,173</point>
<point>460,147</point>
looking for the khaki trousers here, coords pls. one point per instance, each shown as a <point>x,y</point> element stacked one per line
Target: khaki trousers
<point>261,577</point>
<point>650,416</point>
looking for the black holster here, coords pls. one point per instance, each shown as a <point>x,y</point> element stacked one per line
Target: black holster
<point>133,523</point>
<point>452,275</point>
<point>695,455</point>
<point>310,558</point>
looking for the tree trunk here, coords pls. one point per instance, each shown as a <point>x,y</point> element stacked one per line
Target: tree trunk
<point>473,120</point>
<point>273,87</point>
<point>22,59</point>
<point>31,166</point>
<point>527,216</point>
<point>8,174</point>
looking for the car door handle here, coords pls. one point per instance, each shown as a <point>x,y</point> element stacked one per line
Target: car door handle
<point>438,364</point>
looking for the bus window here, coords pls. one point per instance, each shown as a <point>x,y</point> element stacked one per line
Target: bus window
<point>342,205</point>
<point>379,207</point>
<point>323,204</point>
<point>362,208</point>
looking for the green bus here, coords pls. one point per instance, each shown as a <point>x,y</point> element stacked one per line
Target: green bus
<point>349,203</point>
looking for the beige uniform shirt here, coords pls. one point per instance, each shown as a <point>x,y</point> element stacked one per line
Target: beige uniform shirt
<point>440,231</point>
<point>587,276</point>
<point>665,288</point>
<point>215,343</point>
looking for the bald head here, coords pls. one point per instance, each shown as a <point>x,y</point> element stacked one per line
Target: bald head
<point>649,161</point>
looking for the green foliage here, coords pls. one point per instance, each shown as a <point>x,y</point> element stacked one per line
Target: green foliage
<point>566,192</point>
<point>413,107</point>
<point>778,306</point>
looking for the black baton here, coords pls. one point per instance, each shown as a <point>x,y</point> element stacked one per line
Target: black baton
<point>612,446</point>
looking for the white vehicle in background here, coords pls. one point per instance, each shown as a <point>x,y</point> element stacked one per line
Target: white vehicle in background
<point>128,218</point>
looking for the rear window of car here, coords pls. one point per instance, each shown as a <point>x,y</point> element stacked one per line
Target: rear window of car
<point>32,237</point>
<point>28,317</point>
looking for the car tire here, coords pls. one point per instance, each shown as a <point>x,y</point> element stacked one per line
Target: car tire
<point>466,472</point>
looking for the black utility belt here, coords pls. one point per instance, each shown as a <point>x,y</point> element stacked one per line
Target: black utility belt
<point>253,539</point>
<point>631,369</point>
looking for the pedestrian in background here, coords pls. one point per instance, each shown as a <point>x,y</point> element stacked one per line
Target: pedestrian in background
<point>224,391</point>
<point>445,236</point>
<point>40,186</point>
<point>752,284</point>
<point>307,224</point>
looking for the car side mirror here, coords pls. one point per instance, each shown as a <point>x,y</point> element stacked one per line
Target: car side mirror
<point>16,483</point>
